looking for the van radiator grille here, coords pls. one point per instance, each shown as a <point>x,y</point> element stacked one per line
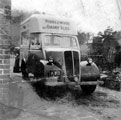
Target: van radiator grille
<point>71,64</point>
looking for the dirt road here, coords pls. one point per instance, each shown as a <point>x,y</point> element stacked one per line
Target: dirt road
<point>24,101</point>
<point>72,104</point>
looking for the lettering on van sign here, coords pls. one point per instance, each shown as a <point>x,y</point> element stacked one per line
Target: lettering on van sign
<point>57,22</point>
<point>56,25</point>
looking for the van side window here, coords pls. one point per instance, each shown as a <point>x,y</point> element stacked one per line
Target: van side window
<point>25,38</point>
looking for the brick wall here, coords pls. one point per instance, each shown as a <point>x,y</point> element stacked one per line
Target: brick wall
<point>4,46</point>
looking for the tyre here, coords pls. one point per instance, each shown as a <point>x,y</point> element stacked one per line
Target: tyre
<point>23,70</point>
<point>88,89</point>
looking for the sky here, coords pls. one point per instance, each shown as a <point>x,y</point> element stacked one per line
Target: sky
<point>89,15</point>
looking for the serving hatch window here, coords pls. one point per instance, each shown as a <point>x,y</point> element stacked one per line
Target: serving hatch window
<point>35,38</point>
<point>60,41</point>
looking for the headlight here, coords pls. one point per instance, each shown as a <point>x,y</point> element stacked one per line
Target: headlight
<point>89,61</point>
<point>50,59</point>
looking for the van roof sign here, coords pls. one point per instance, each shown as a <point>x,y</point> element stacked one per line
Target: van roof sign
<point>50,24</point>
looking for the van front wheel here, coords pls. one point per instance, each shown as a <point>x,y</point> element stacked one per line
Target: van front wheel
<point>88,89</point>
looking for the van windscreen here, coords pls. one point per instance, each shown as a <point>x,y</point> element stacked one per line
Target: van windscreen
<point>60,41</point>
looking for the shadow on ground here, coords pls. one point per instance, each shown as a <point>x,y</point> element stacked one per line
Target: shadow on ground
<point>74,95</point>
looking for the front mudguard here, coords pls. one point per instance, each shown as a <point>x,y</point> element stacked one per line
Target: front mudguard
<point>49,68</point>
<point>89,72</point>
